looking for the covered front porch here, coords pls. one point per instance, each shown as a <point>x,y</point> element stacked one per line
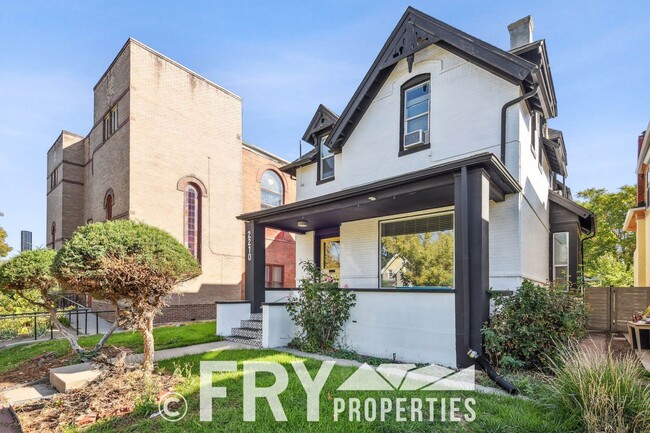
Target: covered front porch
<point>457,193</point>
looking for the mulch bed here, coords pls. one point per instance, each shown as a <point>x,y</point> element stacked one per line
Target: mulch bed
<point>113,394</point>
<point>34,369</point>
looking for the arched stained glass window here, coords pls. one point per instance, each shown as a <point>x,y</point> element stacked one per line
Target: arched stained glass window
<point>192,220</point>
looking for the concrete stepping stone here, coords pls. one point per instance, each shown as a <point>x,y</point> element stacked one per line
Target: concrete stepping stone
<point>28,393</point>
<point>75,376</point>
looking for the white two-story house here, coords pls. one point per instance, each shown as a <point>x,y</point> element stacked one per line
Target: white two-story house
<point>439,181</point>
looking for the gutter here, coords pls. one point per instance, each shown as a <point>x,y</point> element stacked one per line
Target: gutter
<point>503,117</point>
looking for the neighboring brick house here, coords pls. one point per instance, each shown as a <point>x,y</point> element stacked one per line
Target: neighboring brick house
<point>265,186</point>
<point>165,148</point>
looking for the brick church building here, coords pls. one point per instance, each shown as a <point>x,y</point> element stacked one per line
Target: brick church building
<point>166,148</point>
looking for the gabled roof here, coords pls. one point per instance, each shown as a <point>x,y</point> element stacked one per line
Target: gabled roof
<point>415,31</point>
<point>323,119</point>
<point>536,53</point>
<point>585,216</point>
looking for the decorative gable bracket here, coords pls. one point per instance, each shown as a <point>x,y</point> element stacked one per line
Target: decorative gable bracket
<point>412,37</point>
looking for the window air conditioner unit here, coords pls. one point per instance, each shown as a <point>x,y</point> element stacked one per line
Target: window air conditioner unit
<point>413,138</point>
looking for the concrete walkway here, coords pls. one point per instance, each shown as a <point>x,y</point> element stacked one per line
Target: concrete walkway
<point>196,349</point>
<point>96,325</point>
<point>352,363</point>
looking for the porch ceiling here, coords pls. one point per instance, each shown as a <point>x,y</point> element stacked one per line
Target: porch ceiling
<point>424,189</point>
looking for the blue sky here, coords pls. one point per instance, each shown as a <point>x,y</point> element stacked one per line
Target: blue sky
<point>284,58</point>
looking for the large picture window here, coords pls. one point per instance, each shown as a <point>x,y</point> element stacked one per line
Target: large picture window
<point>418,252</point>
<point>561,258</point>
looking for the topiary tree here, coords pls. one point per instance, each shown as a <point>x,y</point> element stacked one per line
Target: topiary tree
<point>130,264</point>
<point>29,276</point>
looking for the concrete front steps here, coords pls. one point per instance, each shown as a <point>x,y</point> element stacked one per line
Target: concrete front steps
<point>249,333</point>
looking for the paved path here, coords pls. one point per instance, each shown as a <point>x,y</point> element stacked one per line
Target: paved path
<point>352,363</point>
<point>161,355</point>
<point>96,325</point>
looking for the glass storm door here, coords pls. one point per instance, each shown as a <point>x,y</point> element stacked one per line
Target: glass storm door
<point>330,253</point>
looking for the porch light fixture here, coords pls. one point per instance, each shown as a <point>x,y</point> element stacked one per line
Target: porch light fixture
<point>302,224</point>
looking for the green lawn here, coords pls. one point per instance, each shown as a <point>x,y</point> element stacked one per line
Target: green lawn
<point>494,413</point>
<point>166,337</point>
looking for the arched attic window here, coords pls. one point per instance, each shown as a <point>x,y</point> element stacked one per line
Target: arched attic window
<point>272,190</point>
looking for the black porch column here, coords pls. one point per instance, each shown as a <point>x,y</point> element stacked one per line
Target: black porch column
<point>472,220</point>
<point>255,257</point>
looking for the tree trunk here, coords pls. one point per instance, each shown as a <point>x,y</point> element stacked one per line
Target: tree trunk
<point>72,339</point>
<point>110,331</point>
<point>106,336</point>
<point>147,338</point>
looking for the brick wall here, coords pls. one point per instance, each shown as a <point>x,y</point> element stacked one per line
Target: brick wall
<point>280,246</point>
<point>170,314</point>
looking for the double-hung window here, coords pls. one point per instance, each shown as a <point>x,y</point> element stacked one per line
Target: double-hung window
<point>417,106</point>
<point>110,122</point>
<point>326,160</point>
<point>561,258</point>
<point>274,276</point>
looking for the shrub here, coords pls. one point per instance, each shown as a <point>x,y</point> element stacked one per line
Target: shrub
<point>29,276</point>
<point>607,393</point>
<point>133,265</point>
<point>320,310</point>
<point>529,327</point>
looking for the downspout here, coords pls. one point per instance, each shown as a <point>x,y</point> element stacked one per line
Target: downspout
<point>503,117</point>
<point>582,254</point>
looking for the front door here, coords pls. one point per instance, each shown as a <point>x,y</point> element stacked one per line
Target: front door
<point>330,254</point>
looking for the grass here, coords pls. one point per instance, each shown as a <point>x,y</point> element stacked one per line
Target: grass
<point>608,393</point>
<point>494,413</point>
<point>166,337</point>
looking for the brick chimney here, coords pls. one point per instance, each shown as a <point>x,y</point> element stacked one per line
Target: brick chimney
<point>641,178</point>
<point>521,32</point>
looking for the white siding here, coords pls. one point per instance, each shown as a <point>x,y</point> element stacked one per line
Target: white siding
<point>466,106</point>
<point>304,251</point>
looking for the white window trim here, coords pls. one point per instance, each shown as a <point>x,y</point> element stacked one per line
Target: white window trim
<point>321,142</point>
<point>564,265</point>
<point>417,116</point>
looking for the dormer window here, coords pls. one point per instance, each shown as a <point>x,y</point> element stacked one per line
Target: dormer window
<point>326,169</point>
<point>416,109</point>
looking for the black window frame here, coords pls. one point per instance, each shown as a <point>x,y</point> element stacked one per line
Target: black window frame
<point>413,82</point>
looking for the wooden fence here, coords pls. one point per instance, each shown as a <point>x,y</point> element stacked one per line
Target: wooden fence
<point>610,308</point>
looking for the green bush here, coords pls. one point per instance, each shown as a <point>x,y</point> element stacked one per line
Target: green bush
<point>606,393</point>
<point>320,310</point>
<point>529,327</point>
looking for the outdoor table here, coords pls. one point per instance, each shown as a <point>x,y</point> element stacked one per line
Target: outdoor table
<point>639,333</point>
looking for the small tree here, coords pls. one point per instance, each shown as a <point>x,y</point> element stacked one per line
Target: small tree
<point>320,311</point>
<point>130,264</point>
<point>29,276</point>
